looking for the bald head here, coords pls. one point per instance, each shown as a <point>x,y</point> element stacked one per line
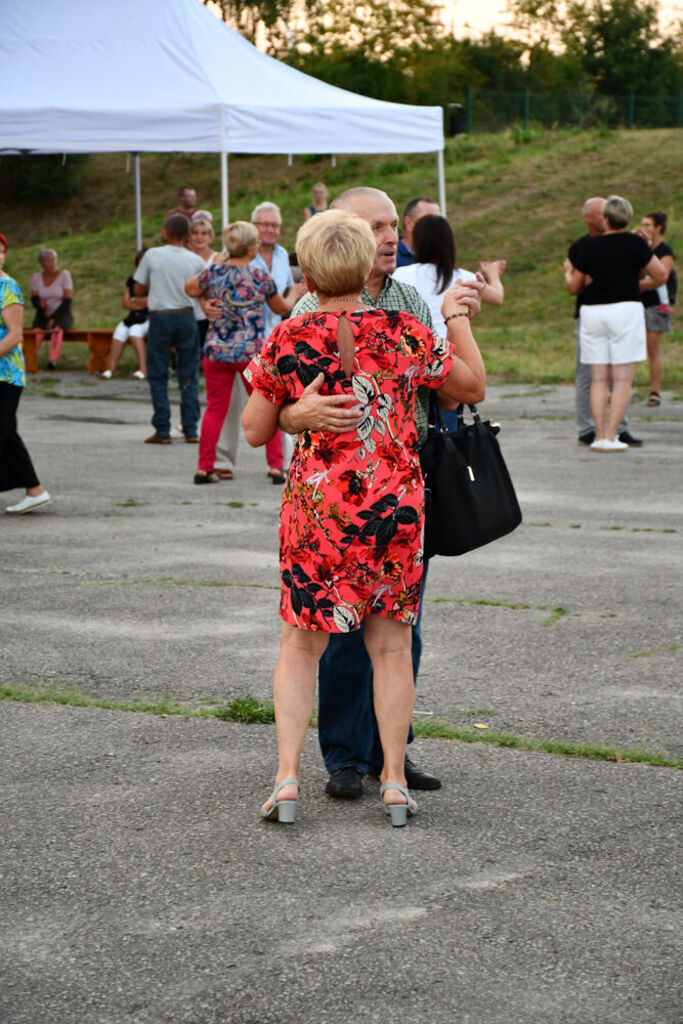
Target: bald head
<point>349,199</point>
<point>374,206</point>
<point>592,214</point>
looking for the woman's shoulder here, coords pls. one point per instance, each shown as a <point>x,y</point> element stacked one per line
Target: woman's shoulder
<point>408,273</point>
<point>663,249</point>
<point>10,292</point>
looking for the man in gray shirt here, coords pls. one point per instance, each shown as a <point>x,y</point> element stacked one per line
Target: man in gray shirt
<point>161,276</point>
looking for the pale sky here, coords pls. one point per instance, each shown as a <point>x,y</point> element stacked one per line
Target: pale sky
<point>481,15</point>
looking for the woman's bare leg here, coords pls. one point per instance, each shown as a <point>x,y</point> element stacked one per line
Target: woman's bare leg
<point>622,379</point>
<point>655,358</point>
<point>389,645</point>
<point>599,398</point>
<point>293,696</point>
<point>56,340</point>
<point>138,344</point>
<point>115,354</point>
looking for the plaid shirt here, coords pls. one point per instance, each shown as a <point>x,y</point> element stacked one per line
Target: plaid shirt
<point>395,297</point>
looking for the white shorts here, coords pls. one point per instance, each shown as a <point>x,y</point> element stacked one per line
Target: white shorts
<point>613,333</point>
<point>122,332</point>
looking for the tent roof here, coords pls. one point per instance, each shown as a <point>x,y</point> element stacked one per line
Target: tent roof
<point>166,75</point>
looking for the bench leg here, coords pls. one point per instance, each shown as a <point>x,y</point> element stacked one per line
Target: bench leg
<point>99,354</point>
<point>29,349</point>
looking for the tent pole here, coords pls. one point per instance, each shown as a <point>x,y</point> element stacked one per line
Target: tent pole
<point>442,181</point>
<point>224,188</point>
<point>138,202</point>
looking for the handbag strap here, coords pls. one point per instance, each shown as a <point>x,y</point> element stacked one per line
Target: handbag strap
<point>436,420</point>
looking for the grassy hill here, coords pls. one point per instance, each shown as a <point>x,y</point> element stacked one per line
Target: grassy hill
<point>517,195</point>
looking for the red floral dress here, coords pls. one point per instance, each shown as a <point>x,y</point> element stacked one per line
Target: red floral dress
<point>352,512</point>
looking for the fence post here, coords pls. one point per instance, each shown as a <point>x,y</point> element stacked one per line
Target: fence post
<point>526,108</point>
<point>631,109</point>
<point>468,110</point>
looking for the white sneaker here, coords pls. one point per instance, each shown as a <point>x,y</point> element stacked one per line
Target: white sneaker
<point>28,504</point>
<point>178,431</point>
<point>138,375</point>
<point>106,375</point>
<point>605,445</point>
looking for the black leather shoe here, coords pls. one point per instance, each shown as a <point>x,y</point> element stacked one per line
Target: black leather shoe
<point>587,438</point>
<point>630,440</point>
<point>417,779</point>
<point>346,782</point>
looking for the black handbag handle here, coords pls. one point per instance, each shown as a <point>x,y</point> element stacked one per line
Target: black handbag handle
<point>436,420</point>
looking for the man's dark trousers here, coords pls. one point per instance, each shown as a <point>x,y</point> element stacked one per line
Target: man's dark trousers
<point>347,727</point>
<point>178,331</point>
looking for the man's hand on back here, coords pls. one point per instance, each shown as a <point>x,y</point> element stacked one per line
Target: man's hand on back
<point>314,411</point>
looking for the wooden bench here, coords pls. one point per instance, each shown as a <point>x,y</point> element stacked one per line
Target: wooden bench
<point>98,340</point>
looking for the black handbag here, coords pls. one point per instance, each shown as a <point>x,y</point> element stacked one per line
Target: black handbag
<point>469,496</point>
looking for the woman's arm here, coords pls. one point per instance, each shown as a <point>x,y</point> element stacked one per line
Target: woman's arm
<point>129,302</point>
<point>279,304</point>
<point>13,316</point>
<point>494,292</point>
<point>466,380</point>
<point>575,280</point>
<point>656,272</point>
<point>259,420</point>
<point>647,282</point>
<point>192,288</point>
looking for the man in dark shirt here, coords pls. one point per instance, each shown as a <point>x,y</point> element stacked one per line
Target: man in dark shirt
<point>415,209</point>
<point>595,222</point>
<point>187,202</point>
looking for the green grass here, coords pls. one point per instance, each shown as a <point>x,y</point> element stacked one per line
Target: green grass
<point>520,202</point>
<point>250,710</point>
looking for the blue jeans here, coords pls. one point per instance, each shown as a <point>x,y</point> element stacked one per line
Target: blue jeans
<point>347,727</point>
<point>178,331</point>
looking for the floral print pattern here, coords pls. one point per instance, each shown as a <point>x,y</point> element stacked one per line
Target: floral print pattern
<point>237,334</point>
<point>352,511</point>
<point>11,364</point>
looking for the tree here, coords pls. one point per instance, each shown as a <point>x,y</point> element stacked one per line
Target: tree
<point>268,23</point>
<point>617,43</point>
<point>380,30</point>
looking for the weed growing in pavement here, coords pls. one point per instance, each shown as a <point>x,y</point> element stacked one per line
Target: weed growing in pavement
<point>555,614</point>
<point>250,709</point>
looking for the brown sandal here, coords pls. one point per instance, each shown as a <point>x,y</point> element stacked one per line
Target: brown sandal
<point>224,474</point>
<point>654,399</point>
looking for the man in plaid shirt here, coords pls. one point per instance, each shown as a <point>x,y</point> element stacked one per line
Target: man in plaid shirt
<point>347,728</point>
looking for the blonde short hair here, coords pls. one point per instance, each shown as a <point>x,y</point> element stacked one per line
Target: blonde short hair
<point>239,236</point>
<point>202,222</point>
<point>617,211</point>
<point>202,215</point>
<point>336,250</point>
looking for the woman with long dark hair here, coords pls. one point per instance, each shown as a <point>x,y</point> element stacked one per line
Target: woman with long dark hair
<point>435,268</point>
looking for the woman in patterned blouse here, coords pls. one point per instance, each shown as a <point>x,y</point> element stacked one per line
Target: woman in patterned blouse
<point>16,468</point>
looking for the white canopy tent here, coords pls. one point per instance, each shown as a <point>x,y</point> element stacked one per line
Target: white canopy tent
<point>167,76</point>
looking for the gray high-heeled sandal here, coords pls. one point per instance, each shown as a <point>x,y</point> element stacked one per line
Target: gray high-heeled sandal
<point>281,810</point>
<point>399,813</point>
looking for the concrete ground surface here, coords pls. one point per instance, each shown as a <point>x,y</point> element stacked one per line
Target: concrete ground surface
<point>139,884</point>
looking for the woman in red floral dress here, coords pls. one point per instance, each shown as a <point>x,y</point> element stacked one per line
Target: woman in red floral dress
<point>352,512</point>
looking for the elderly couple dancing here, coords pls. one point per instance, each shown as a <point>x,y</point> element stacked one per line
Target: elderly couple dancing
<point>350,373</point>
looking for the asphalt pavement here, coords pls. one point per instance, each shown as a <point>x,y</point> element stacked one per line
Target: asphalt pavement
<point>139,885</point>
